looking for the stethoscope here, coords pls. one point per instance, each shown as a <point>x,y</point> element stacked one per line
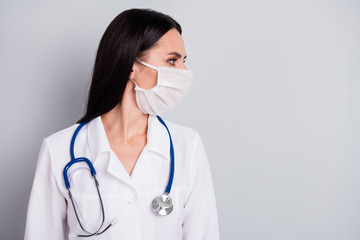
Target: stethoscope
<point>162,204</point>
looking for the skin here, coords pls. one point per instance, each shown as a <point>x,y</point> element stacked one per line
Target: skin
<point>126,125</point>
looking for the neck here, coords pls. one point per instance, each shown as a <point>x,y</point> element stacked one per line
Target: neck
<point>125,121</point>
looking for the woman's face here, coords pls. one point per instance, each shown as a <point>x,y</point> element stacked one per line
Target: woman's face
<point>169,51</point>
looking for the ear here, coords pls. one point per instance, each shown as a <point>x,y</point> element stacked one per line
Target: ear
<point>134,70</point>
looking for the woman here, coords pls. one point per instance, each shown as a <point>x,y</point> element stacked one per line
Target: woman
<point>139,73</point>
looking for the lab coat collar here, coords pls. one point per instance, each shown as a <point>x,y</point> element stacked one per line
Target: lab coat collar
<point>157,138</point>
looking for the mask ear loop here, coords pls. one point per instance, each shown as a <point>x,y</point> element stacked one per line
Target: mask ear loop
<point>147,64</point>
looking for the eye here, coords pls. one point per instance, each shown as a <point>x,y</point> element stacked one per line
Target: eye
<point>172,61</point>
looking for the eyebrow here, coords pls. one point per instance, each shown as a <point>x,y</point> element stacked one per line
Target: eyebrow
<point>176,54</point>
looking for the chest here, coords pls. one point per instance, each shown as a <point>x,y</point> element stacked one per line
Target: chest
<point>128,200</point>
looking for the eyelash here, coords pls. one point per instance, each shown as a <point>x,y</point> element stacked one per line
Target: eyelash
<point>174,59</point>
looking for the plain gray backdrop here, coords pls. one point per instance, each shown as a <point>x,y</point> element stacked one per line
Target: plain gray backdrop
<point>275,98</point>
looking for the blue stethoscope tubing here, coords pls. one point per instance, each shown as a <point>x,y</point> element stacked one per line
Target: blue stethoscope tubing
<point>161,205</point>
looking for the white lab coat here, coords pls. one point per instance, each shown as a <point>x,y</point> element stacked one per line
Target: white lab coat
<point>127,199</point>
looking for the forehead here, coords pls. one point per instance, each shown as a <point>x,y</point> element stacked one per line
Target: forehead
<point>169,42</point>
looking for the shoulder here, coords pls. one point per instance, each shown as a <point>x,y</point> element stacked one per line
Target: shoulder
<point>184,130</point>
<point>63,134</point>
<point>183,133</point>
<point>60,141</point>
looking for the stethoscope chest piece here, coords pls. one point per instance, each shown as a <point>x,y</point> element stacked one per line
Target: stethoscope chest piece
<point>162,204</point>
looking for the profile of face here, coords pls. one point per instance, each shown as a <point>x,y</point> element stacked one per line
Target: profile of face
<point>168,51</point>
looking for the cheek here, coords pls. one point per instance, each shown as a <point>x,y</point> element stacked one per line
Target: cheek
<point>147,79</point>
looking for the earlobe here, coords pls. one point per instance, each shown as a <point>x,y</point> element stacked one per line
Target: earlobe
<point>132,74</point>
<point>134,70</point>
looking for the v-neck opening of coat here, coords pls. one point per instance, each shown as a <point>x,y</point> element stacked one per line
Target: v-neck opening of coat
<point>138,161</point>
<point>118,170</point>
<point>140,166</point>
<point>131,175</point>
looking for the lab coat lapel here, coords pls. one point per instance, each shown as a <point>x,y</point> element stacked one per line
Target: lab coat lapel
<point>101,152</point>
<point>158,138</point>
<point>116,169</point>
<point>157,142</point>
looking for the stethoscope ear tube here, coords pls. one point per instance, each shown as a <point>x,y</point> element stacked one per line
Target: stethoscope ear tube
<point>97,232</point>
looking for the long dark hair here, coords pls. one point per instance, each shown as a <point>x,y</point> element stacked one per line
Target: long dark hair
<point>127,37</point>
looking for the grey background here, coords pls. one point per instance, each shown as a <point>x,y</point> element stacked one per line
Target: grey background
<point>275,99</point>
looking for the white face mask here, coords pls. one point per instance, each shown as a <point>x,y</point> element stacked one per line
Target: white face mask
<point>172,86</point>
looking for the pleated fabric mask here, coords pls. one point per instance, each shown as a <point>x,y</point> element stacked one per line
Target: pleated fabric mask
<point>173,84</point>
